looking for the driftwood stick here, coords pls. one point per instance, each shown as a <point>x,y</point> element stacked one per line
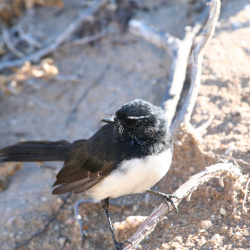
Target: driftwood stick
<point>245,196</point>
<point>177,74</point>
<point>9,44</point>
<point>184,116</point>
<point>214,171</point>
<point>35,57</point>
<point>86,39</point>
<point>179,51</point>
<point>160,39</point>
<point>205,125</point>
<point>27,37</point>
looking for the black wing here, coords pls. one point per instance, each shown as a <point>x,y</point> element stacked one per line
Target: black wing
<point>87,163</point>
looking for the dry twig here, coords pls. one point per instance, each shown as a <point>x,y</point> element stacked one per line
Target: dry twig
<point>160,39</point>
<point>86,39</point>
<point>245,197</point>
<point>177,74</point>
<point>178,50</point>
<point>35,57</point>
<point>225,158</point>
<point>27,37</point>
<point>184,115</point>
<point>205,125</point>
<point>9,44</point>
<point>185,190</point>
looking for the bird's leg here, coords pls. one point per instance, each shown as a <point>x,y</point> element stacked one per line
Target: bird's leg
<point>105,207</point>
<point>79,217</point>
<point>167,197</point>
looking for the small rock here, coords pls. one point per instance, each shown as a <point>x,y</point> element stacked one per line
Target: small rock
<point>216,239</point>
<point>213,217</point>
<point>202,231</point>
<point>165,245</point>
<point>176,245</point>
<point>62,241</point>
<point>237,235</point>
<point>131,221</point>
<point>206,224</point>
<point>223,211</point>
<point>202,241</point>
<point>191,169</point>
<point>179,239</point>
<point>236,217</point>
<point>224,228</point>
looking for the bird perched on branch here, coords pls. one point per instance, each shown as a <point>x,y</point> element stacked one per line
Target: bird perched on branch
<point>129,154</point>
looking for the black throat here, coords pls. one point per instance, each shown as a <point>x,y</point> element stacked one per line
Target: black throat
<point>140,147</point>
<point>113,147</point>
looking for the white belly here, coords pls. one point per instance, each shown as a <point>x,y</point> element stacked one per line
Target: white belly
<point>133,176</point>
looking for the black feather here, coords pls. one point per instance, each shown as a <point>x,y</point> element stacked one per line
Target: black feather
<point>36,151</point>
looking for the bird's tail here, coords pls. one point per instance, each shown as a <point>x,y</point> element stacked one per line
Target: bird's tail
<point>36,151</point>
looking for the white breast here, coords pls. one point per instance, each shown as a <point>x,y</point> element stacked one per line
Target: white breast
<point>133,176</point>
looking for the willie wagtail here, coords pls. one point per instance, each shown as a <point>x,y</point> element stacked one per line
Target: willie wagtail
<point>129,154</point>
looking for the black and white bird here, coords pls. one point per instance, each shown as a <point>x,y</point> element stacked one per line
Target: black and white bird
<point>129,154</point>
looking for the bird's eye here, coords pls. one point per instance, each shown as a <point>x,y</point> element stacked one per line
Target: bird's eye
<point>138,123</point>
<point>115,118</point>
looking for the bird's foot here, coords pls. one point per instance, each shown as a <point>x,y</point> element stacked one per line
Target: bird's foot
<point>167,198</point>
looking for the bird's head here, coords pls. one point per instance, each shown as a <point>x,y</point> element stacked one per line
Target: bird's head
<point>139,123</point>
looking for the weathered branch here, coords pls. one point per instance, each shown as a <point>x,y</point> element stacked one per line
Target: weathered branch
<point>9,44</point>
<point>245,197</point>
<point>86,39</point>
<point>85,15</point>
<point>177,74</point>
<point>179,51</point>
<point>184,115</point>
<point>185,190</point>
<point>27,37</point>
<point>205,125</point>
<point>160,39</point>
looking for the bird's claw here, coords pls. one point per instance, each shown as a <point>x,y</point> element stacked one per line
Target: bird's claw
<point>168,198</point>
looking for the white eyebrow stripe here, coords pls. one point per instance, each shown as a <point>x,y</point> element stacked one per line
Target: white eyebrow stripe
<point>138,117</point>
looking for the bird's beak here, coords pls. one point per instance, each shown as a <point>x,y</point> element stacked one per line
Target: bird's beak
<point>110,120</point>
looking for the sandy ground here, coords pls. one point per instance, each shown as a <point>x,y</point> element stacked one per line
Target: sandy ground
<point>133,68</point>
